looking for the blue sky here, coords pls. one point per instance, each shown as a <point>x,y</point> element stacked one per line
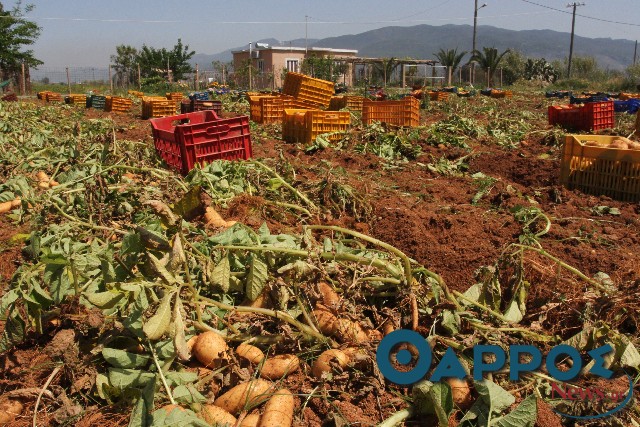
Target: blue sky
<point>85,32</point>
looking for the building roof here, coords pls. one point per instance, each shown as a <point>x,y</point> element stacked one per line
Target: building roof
<point>299,49</point>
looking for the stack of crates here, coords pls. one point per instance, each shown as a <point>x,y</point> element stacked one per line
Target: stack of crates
<point>136,93</point>
<point>76,98</point>
<point>353,103</point>
<point>626,96</point>
<point>438,95</point>
<point>403,113</point>
<point>193,105</point>
<point>9,97</point>
<point>300,125</point>
<point>201,138</point>
<point>117,104</point>
<point>315,92</point>
<point>53,97</point>
<point>588,164</point>
<point>156,106</point>
<point>592,116</point>
<point>43,94</point>
<point>269,109</point>
<point>175,97</point>
<point>96,101</point>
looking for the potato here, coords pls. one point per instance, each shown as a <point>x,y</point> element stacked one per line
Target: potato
<point>251,420</point>
<point>633,145</point>
<point>350,331</point>
<point>278,412</point>
<point>250,353</point>
<point>170,408</point>
<point>325,319</point>
<point>42,177</point>
<point>460,392</point>
<point>591,143</point>
<point>212,218</point>
<point>244,395</point>
<point>9,410</point>
<point>357,356</point>
<point>210,349</point>
<point>328,361</point>
<point>619,144</point>
<point>279,366</point>
<point>12,204</point>
<point>215,415</point>
<point>388,327</point>
<point>329,297</point>
<point>43,184</point>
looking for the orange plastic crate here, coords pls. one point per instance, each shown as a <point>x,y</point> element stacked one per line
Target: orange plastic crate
<point>53,97</point>
<point>405,112</point>
<point>157,107</point>
<point>501,94</point>
<point>304,126</point>
<point>43,94</point>
<point>600,170</point>
<point>175,96</point>
<point>438,96</point>
<point>310,90</point>
<point>269,108</point>
<point>135,93</point>
<point>346,101</point>
<point>117,104</point>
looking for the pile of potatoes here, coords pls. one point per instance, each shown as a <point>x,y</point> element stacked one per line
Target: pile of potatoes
<point>619,142</point>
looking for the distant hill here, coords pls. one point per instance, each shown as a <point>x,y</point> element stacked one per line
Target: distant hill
<point>422,41</point>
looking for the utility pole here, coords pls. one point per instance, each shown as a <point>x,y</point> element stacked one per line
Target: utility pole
<point>475,26</point>
<point>573,26</point>
<point>306,34</point>
<point>635,53</point>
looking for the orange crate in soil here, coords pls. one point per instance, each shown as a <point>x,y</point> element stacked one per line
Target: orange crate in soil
<point>405,112</point>
<point>590,166</point>
<point>438,96</point>
<point>53,97</point>
<point>117,104</point>
<point>313,91</point>
<point>157,107</point>
<point>304,126</point>
<point>135,93</point>
<point>568,116</point>
<point>43,94</point>
<point>268,109</point>
<point>76,98</point>
<point>201,138</point>
<point>627,96</point>
<point>346,101</point>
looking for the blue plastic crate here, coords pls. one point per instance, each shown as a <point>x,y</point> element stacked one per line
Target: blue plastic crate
<point>630,106</point>
<point>587,99</point>
<point>199,96</point>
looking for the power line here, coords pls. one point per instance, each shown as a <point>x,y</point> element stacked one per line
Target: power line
<point>582,16</point>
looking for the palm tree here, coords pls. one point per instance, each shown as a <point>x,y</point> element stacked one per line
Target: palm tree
<point>450,59</point>
<point>488,60</point>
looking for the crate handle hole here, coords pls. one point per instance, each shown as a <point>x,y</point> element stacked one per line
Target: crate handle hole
<point>214,130</point>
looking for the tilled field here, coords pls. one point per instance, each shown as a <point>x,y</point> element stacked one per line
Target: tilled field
<point>101,272</point>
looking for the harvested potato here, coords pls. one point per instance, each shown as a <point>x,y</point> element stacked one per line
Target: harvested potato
<point>279,366</point>
<point>634,145</point>
<point>171,407</point>
<point>11,204</point>
<point>213,219</point>
<point>325,319</point>
<point>591,143</point>
<point>460,392</point>
<point>210,349</point>
<point>619,144</point>
<point>9,410</point>
<point>350,331</point>
<point>251,420</point>
<point>215,415</point>
<point>329,361</point>
<point>278,412</point>
<point>244,395</point>
<point>250,353</point>
<point>329,297</point>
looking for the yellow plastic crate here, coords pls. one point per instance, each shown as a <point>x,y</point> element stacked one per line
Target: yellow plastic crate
<point>589,165</point>
<point>153,107</point>
<point>346,101</point>
<point>175,96</point>
<point>136,93</point>
<point>304,126</point>
<point>43,94</point>
<point>53,97</point>
<point>117,104</point>
<point>307,89</point>
<point>438,96</point>
<point>268,109</point>
<point>404,112</point>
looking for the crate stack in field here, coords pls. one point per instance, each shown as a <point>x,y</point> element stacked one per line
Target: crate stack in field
<point>157,106</point>
<point>591,116</point>
<point>175,97</point>
<point>76,99</point>
<point>53,97</point>
<point>591,164</point>
<point>97,102</point>
<point>201,137</point>
<point>403,113</point>
<point>117,104</point>
<point>199,101</point>
<point>350,102</point>
<point>438,95</point>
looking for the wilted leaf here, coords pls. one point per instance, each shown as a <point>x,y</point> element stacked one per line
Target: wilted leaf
<point>13,333</point>
<point>257,277</point>
<point>190,206</point>
<point>179,341</point>
<point>162,272</point>
<point>164,211</point>
<point>104,300</point>
<point>177,258</point>
<point>221,274</point>
<point>158,324</point>
<point>151,240</point>
<point>435,399</point>
<point>524,415</point>
<point>630,357</point>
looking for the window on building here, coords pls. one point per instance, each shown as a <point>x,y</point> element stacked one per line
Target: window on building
<point>292,65</point>
<point>261,66</point>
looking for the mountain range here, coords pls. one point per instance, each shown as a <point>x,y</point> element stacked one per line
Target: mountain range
<point>422,41</point>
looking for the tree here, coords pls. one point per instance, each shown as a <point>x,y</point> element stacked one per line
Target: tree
<point>450,59</point>
<point>16,33</point>
<point>513,66</point>
<point>154,62</point>
<point>489,60</point>
<point>325,68</point>
<point>385,69</point>
<point>540,69</point>
<point>125,63</point>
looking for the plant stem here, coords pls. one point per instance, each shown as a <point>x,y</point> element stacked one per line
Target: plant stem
<point>397,418</point>
<point>286,184</point>
<point>86,224</point>
<point>162,378</point>
<point>482,307</point>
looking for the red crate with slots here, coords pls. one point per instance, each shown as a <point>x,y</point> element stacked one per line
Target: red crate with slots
<point>599,115</point>
<point>200,137</point>
<point>567,116</point>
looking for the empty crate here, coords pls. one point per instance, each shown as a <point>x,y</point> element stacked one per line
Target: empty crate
<point>405,112</point>
<point>346,101</point>
<point>315,92</point>
<point>589,165</point>
<point>200,137</point>
<point>300,125</point>
<point>157,107</point>
<point>53,97</point>
<point>269,109</point>
<point>117,104</point>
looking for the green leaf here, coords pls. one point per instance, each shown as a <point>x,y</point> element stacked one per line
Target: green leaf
<point>524,415</point>
<point>190,206</point>
<point>158,324</point>
<point>129,378</point>
<point>188,394</point>
<point>14,331</point>
<point>257,277</point>
<point>433,399</point>
<point>123,359</point>
<point>139,414</point>
<point>104,300</point>
<point>180,378</point>
<point>221,274</point>
<point>451,322</point>
<point>493,395</point>
<point>131,244</point>
<point>6,301</point>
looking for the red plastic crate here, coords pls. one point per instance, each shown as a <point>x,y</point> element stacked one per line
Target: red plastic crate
<point>599,115</point>
<point>200,137</point>
<point>567,116</point>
